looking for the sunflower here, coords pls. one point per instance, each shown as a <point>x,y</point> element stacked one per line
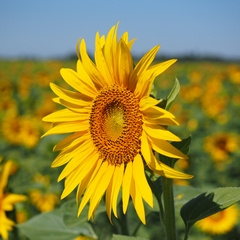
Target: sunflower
<point>221,222</point>
<point>7,201</point>
<point>221,145</point>
<point>41,198</point>
<point>20,130</point>
<point>44,202</point>
<point>115,126</point>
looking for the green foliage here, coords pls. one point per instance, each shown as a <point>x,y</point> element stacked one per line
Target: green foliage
<point>207,204</point>
<point>207,104</point>
<point>69,213</point>
<point>51,226</point>
<point>168,102</point>
<point>173,94</point>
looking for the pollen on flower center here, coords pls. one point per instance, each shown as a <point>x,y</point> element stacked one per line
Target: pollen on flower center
<point>114,120</point>
<point>116,124</point>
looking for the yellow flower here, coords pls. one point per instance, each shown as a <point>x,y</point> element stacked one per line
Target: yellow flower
<point>42,179</point>
<point>29,132</point>
<point>20,130</point>
<point>115,126</point>
<point>21,215</point>
<point>220,145</point>
<point>44,202</point>
<point>6,88</point>
<point>234,73</point>
<point>7,201</point>
<point>10,129</point>
<point>221,222</point>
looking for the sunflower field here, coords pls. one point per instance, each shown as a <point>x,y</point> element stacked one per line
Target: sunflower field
<point>207,108</point>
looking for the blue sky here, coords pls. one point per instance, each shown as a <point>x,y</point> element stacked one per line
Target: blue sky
<point>49,29</point>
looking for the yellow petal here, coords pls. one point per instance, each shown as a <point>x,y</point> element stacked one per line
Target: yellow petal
<point>157,166</point>
<point>65,115</point>
<point>87,180</point>
<point>137,202</point>
<point>130,43</point>
<point>10,199</point>
<point>110,49</point>
<point>4,175</point>
<point>159,132</point>
<point>145,82</point>
<point>141,181</point>
<point>157,69</point>
<point>101,62</point>
<point>90,67</point>
<point>56,100</point>
<point>75,178</point>
<point>73,79</point>
<point>172,173</point>
<point>76,108</point>
<point>165,148</point>
<point>80,154</point>
<point>161,121</point>
<point>69,151</point>
<point>68,140</point>
<point>109,194</point>
<point>127,178</point>
<point>125,64</point>
<point>6,225</point>
<point>147,102</point>
<point>125,39</point>
<point>141,67</point>
<point>117,182</point>
<point>101,188</point>
<point>83,74</point>
<point>68,127</point>
<point>157,112</point>
<point>70,96</point>
<point>92,186</point>
<point>145,148</point>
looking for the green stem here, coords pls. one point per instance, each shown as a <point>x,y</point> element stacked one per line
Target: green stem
<point>186,234</point>
<point>161,216</point>
<point>169,216</point>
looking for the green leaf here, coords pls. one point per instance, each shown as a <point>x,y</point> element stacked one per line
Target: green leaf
<point>182,194</point>
<point>156,187</point>
<point>69,212</point>
<point>51,226</point>
<point>153,92</point>
<point>208,203</point>
<point>173,94</point>
<point>121,237</point>
<point>184,145</point>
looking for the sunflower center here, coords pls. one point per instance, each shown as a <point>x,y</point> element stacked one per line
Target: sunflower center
<point>116,124</point>
<point>114,120</point>
<point>217,216</point>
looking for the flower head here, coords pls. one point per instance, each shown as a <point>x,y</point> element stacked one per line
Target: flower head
<point>115,126</point>
<point>221,145</point>
<point>44,202</point>
<point>221,222</point>
<point>41,198</point>
<point>19,130</point>
<point>7,201</point>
